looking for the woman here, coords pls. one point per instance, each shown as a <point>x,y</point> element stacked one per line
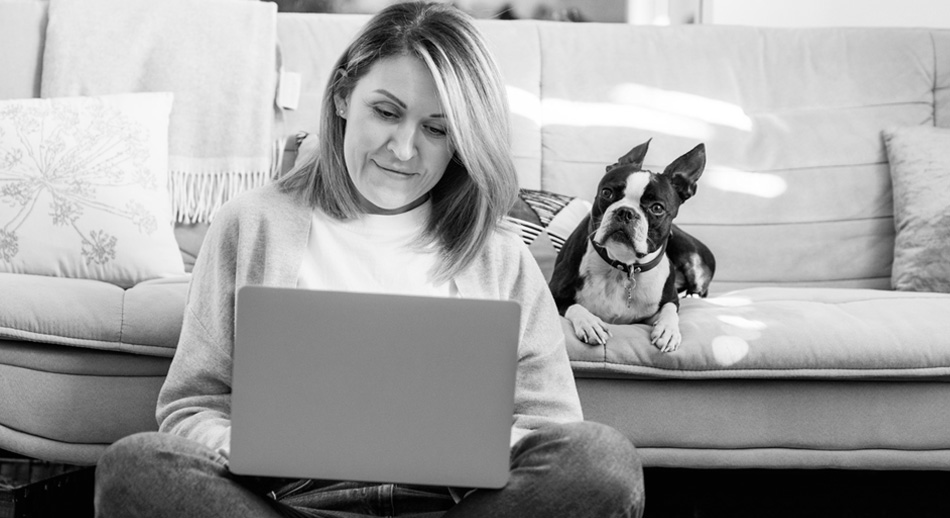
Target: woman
<point>405,194</point>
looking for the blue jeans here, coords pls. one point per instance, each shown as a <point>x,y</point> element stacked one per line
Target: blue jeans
<point>573,470</point>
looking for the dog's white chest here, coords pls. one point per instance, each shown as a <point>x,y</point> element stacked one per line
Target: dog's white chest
<point>618,298</point>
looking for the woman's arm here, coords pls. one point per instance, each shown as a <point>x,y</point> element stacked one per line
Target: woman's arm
<point>544,390</point>
<point>195,401</point>
<point>256,238</point>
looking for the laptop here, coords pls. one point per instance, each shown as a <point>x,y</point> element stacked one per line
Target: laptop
<point>373,387</point>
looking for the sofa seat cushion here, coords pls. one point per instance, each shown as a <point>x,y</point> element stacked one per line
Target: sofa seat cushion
<point>785,333</point>
<point>144,319</point>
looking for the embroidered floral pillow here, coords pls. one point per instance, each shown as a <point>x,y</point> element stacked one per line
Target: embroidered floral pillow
<point>83,188</point>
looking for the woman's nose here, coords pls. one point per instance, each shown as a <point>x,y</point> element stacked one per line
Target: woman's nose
<point>402,143</point>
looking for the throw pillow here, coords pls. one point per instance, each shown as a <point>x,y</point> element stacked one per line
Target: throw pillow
<point>920,174</point>
<point>83,188</point>
<point>545,220</point>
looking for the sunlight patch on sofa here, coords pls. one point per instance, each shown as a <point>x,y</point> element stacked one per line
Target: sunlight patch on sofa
<point>741,322</point>
<point>740,328</point>
<point>635,106</point>
<point>706,109</point>
<point>729,350</point>
<point>524,103</point>
<point>729,301</point>
<point>586,114</point>
<point>763,185</point>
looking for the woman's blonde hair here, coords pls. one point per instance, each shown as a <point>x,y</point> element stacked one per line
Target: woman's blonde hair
<point>479,185</point>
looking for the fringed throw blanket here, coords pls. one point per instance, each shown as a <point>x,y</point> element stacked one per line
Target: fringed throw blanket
<point>218,57</point>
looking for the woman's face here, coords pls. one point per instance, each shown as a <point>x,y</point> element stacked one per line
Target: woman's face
<point>395,146</point>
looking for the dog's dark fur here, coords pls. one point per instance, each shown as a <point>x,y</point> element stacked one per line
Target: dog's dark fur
<point>644,263</point>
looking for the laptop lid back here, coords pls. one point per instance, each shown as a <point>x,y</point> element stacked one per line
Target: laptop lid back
<point>373,387</point>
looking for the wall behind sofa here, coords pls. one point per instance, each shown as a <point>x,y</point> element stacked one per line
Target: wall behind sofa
<point>828,13</point>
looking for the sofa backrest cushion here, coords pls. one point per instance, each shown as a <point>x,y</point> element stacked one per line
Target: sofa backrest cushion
<point>797,189</point>
<point>22,36</point>
<point>797,186</point>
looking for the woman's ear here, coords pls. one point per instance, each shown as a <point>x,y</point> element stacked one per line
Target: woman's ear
<point>340,104</point>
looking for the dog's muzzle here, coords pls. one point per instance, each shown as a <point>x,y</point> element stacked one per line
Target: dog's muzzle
<point>626,228</point>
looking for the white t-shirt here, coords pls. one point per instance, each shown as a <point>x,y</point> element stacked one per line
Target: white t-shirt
<point>373,253</point>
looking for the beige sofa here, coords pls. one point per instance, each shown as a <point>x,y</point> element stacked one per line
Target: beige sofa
<point>803,356</point>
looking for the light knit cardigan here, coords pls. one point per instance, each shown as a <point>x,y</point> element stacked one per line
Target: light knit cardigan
<point>259,238</point>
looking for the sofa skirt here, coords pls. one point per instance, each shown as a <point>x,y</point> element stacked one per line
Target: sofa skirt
<point>808,424</point>
<point>67,404</point>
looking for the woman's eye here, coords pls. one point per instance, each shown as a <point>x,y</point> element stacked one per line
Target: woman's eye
<point>436,131</point>
<point>606,193</point>
<point>384,113</point>
<point>657,209</point>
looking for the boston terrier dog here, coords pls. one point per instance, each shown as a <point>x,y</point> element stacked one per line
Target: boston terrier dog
<point>627,262</point>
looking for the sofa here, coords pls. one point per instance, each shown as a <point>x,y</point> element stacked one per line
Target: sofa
<point>824,341</point>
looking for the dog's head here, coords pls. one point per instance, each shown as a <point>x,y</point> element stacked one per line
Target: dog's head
<point>634,208</point>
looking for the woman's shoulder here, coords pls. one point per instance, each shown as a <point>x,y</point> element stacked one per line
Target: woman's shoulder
<point>262,202</point>
<point>505,238</point>
<point>260,209</point>
<point>504,249</point>
<point>504,267</point>
<point>265,198</point>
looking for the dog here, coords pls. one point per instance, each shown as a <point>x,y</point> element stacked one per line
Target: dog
<point>626,262</point>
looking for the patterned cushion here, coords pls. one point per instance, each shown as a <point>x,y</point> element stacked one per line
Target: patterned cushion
<point>545,220</point>
<point>83,188</point>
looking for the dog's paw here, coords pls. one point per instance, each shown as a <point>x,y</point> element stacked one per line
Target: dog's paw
<point>588,328</point>
<point>665,337</point>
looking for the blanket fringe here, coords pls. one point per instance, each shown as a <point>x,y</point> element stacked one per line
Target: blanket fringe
<point>197,197</point>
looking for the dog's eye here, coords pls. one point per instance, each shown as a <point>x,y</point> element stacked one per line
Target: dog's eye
<point>657,209</point>
<point>606,193</point>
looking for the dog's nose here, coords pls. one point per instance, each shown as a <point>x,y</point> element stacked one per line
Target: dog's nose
<point>625,214</point>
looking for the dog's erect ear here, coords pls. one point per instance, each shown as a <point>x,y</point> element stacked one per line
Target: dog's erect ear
<point>633,157</point>
<point>686,170</point>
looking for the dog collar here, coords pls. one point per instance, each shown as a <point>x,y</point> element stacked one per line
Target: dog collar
<point>633,268</point>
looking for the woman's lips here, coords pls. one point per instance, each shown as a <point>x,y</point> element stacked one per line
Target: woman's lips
<point>394,170</point>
